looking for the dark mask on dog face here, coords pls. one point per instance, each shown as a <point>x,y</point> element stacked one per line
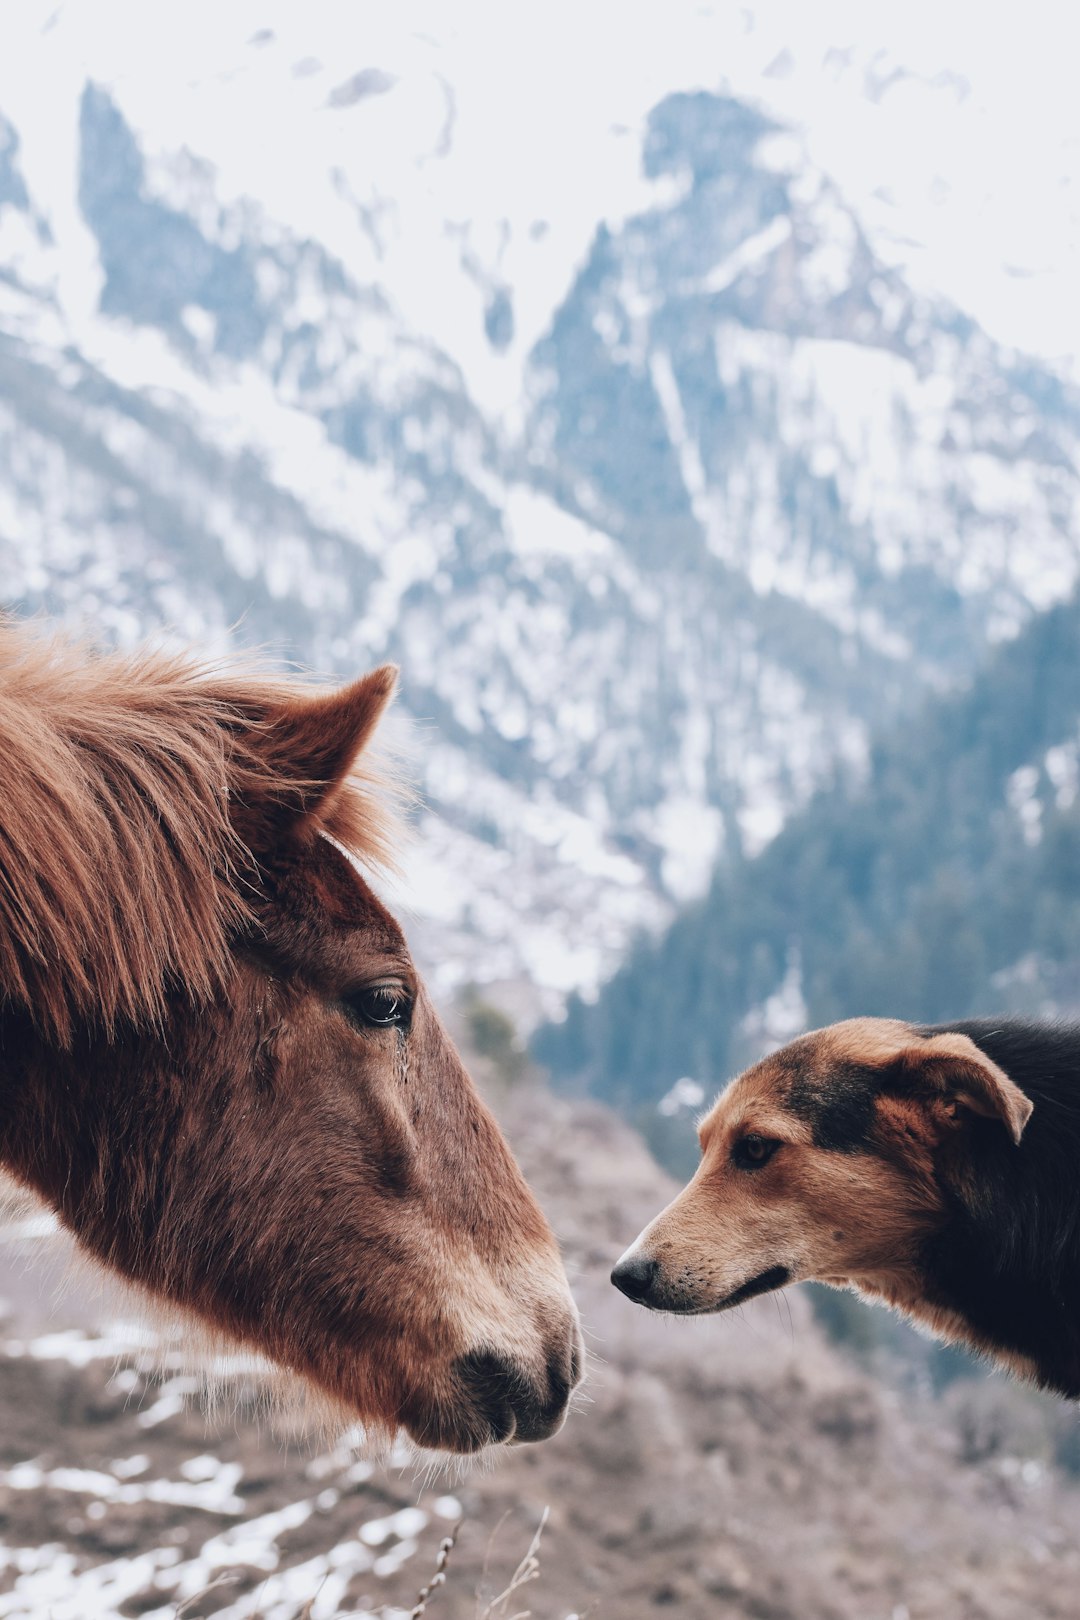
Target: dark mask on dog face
<point>834,1159</point>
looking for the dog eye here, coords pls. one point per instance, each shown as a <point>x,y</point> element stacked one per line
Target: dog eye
<point>751,1152</point>
<point>380,1006</point>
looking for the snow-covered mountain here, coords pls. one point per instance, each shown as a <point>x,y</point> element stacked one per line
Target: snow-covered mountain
<point>665,492</point>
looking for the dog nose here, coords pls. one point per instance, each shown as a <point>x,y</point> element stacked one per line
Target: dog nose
<point>635,1275</point>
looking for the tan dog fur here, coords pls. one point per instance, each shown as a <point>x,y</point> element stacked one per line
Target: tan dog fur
<point>837,1216</point>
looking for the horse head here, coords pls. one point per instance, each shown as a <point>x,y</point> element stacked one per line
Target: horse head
<point>253,1112</point>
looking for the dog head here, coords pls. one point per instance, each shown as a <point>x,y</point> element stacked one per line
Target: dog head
<point>833,1160</point>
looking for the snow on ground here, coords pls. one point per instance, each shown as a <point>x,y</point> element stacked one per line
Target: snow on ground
<point>132,1500</point>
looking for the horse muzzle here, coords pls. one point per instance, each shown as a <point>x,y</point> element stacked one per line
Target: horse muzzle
<point>499,1401</point>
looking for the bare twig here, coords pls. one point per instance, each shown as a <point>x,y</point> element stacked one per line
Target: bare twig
<point>446,1547</point>
<point>305,1612</point>
<point>228,1577</point>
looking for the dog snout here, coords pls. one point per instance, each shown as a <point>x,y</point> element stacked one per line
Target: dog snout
<point>636,1275</point>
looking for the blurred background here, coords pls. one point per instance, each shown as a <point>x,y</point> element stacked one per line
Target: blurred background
<point>687,398</point>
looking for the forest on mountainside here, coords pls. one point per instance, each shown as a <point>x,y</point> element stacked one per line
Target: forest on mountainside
<point>941,882</point>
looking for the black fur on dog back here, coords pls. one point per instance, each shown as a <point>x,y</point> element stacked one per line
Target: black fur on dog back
<point>1009,1260</point>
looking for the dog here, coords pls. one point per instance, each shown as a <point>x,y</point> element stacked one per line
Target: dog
<point>935,1169</point>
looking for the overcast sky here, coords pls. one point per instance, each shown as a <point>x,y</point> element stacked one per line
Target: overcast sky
<point>953,128</point>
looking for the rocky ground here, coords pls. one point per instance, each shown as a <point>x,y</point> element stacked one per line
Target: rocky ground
<point>732,1467</point>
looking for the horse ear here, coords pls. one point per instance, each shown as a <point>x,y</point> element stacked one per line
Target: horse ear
<point>307,746</point>
<point>952,1067</point>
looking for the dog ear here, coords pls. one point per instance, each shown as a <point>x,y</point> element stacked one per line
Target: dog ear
<point>952,1067</point>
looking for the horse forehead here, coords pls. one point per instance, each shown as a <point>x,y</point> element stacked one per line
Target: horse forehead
<point>332,890</point>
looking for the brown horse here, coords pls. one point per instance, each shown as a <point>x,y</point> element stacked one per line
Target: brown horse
<point>218,1063</point>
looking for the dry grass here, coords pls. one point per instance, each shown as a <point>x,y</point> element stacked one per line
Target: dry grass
<point>496,1608</point>
<point>226,1578</point>
<point>528,1570</point>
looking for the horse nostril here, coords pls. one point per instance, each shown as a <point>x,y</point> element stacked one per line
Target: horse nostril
<point>512,1403</point>
<point>635,1276</point>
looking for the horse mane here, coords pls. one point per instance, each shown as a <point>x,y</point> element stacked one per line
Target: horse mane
<point>125,777</point>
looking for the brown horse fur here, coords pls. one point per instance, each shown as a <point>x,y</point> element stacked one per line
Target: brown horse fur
<point>217,1061</point>
<point>932,1169</point>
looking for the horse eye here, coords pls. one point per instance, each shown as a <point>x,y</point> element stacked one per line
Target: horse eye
<point>379,1007</point>
<point>751,1152</point>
